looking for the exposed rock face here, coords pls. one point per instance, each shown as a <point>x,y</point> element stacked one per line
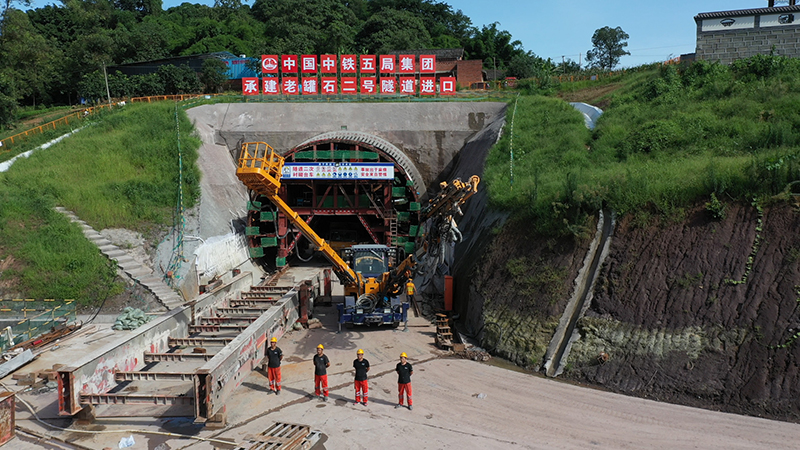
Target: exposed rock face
<point>697,312</point>
<point>698,275</point>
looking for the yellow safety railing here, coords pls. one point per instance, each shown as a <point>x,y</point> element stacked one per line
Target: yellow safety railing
<point>260,165</point>
<point>75,117</point>
<point>6,143</point>
<point>38,317</point>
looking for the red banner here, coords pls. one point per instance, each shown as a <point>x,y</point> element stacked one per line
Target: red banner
<point>289,86</point>
<point>388,85</point>
<point>427,85</point>
<point>367,63</point>
<point>269,63</point>
<point>308,64</point>
<point>427,63</point>
<point>271,86</point>
<point>408,85</point>
<point>310,86</point>
<point>447,85</point>
<point>250,86</point>
<point>369,85</point>
<point>407,64</point>
<point>387,63</point>
<point>348,64</point>
<point>289,63</point>
<point>327,63</point>
<point>328,85</point>
<point>349,85</point>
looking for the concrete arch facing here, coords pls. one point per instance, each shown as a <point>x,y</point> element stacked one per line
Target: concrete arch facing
<point>375,143</point>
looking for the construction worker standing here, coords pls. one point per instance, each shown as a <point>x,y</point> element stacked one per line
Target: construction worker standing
<point>404,372</point>
<point>362,367</point>
<point>274,358</point>
<point>321,364</point>
<point>411,291</point>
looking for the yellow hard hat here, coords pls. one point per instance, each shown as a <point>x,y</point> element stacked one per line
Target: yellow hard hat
<point>360,352</point>
<point>320,346</point>
<point>403,355</point>
<point>274,339</point>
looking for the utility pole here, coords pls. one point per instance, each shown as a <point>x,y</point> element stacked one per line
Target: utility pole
<point>496,81</point>
<point>563,66</point>
<point>105,75</point>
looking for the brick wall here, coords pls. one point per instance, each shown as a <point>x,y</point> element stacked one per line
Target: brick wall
<point>468,72</point>
<point>727,45</point>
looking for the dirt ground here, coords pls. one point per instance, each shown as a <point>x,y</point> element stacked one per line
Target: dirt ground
<point>599,96</point>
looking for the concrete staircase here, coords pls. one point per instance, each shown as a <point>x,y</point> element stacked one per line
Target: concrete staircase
<point>139,273</point>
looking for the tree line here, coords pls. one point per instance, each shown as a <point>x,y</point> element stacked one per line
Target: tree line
<point>56,54</point>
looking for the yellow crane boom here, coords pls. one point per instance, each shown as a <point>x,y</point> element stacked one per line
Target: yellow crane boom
<point>260,169</point>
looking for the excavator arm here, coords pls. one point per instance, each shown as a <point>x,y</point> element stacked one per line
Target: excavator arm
<point>260,169</point>
<point>449,200</point>
<point>441,209</point>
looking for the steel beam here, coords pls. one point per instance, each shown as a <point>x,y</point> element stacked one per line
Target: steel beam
<point>194,329</point>
<point>250,303</point>
<point>161,357</point>
<point>280,291</point>
<point>135,399</point>
<point>217,379</point>
<point>198,342</point>
<point>94,374</point>
<point>222,320</point>
<point>152,376</point>
<point>243,311</point>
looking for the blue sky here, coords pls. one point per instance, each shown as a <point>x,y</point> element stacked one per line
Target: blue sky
<point>658,30</point>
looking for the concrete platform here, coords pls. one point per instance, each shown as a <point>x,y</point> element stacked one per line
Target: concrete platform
<point>457,404</point>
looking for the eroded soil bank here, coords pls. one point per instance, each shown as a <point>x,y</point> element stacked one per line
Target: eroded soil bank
<point>697,311</point>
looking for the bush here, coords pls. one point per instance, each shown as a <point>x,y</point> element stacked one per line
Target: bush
<point>657,136</point>
<point>715,208</point>
<point>765,66</point>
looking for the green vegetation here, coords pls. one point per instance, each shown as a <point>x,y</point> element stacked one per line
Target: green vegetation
<point>537,278</point>
<point>120,172</point>
<point>57,54</point>
<point>671,137</point>
<point>715,208</point>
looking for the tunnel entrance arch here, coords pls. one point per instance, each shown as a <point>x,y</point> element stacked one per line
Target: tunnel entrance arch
<point>357,209</point>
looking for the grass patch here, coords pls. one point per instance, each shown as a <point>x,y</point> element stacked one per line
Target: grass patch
<point>123,172</point>
<point>669,138</point>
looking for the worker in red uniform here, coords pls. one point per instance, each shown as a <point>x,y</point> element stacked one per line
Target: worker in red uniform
<point>321,364</point>
<point>274,358</point>
<point>362,388</point>
<point>404,372</point>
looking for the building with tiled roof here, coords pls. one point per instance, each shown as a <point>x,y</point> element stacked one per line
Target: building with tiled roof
<point>726,36</point>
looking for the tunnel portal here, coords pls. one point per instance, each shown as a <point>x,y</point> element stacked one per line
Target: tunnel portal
<point>351,187</point>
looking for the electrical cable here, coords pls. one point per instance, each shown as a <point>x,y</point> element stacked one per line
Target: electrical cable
<point>126,431</point>
<point>297,252</point>
<point>177,251</point>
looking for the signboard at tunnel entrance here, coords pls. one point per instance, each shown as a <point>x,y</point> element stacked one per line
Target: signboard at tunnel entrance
<point>338,171</point>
